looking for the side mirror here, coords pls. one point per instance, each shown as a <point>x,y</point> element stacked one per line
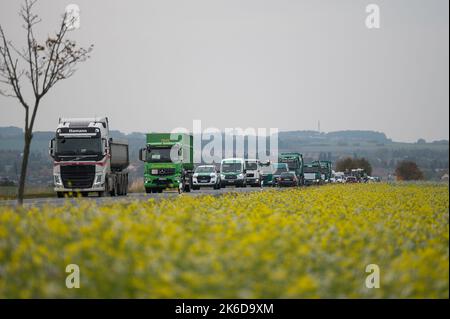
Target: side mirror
<point>142,154</point>
<point>51,148</point>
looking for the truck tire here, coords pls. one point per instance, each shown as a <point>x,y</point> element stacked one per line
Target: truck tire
<point>60,194</point>
<point>113,191</point>
<point>125,188</point>
<point>120,185</point>
<point>105,192</point>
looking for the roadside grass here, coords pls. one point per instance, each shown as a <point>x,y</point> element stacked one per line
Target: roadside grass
<point>10,192</point>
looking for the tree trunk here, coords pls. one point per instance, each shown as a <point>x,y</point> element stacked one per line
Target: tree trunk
<point>23,170</point>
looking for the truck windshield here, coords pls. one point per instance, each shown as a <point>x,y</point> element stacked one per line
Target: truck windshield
<point>78,146</point>
<point>205,169</point>
<point>158,155</point>
<point>291,163</point>
<point>311,169</point>
<point>231,167</point>
<point>252,166</point>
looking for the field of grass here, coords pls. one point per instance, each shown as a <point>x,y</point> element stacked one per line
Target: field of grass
<point>294,243</point>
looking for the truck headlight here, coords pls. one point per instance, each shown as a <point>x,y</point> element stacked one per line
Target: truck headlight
<point>57,180</point>
<point>240,176</point>
<point>222,176</point>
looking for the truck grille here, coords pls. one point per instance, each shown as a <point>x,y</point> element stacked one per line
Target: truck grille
<point>250,175</point>
<point>78,176</point>
<point>163,171</point>
<point>204,179</point>
<point>230,176</point>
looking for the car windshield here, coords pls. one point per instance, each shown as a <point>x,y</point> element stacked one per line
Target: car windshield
<point>205,169</point>
<point>253,166</point>
<point>78,146</point>
<point>288,174</point>
<point>231,167</point>
<point>158,155</point>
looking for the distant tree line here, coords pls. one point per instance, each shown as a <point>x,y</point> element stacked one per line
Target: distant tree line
<point>349,163</point>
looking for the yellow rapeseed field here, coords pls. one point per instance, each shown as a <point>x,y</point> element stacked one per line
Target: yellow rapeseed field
<point>293,243</point>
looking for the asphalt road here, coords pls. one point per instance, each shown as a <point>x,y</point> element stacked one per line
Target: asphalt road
<point>130,197</point>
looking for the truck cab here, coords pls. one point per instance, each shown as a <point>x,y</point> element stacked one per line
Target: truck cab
<point>86,159</point>
<point>312,174</point>
<point>253,174</point>
<point>168,162</point>
<point>295,164</point>
<point>233,172</point>
<point>325,170</point>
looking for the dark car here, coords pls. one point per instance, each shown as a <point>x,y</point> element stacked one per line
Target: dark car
<point>287,179</point>
<point>351,179</point>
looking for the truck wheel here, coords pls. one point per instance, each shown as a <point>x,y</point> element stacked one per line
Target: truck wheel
<point>60,194</point>
<point>216,186</point>
<point>113,191</point>
<point>125,192</point>
<point>148,190</point>
<point>187,188</point>
<point>120,187</point>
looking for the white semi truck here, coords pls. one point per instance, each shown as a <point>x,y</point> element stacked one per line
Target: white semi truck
<point>253,172</point>
<point>87,159</point>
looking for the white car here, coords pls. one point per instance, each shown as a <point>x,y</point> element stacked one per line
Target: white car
<point>206,175</point>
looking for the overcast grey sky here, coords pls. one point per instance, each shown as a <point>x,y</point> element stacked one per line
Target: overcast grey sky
<point>159,64</point>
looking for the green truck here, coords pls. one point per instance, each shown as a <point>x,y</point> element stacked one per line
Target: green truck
<point>312,173</point>
<point>168,161</point>
<point>325,170</point>
<point>295,164</point>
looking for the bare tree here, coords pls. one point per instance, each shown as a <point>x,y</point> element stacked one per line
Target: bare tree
<point>42,65</point>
